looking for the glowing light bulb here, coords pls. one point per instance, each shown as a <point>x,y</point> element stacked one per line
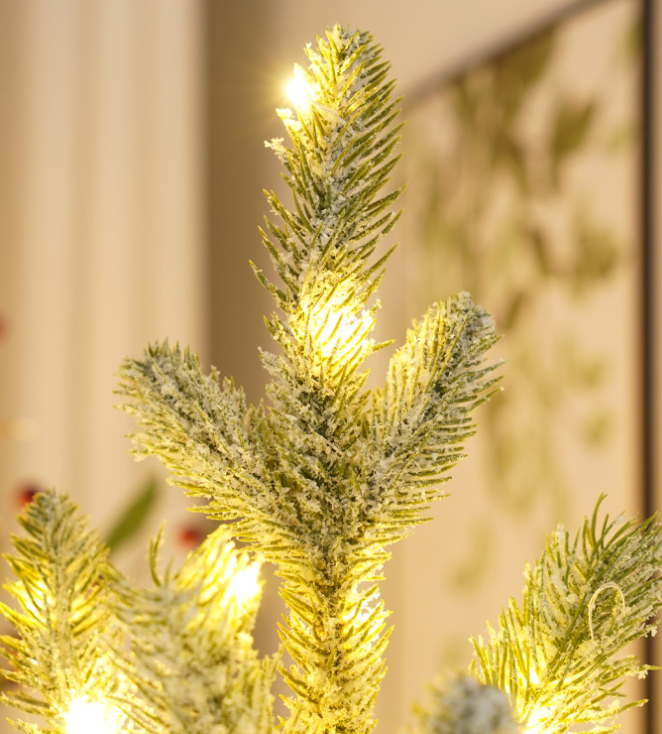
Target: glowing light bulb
<point>299,91</point>
<point>537,721</point>
<point>85,717</point>
<point>532,679</point>
<point>244,585</point>
<point>340,332</point>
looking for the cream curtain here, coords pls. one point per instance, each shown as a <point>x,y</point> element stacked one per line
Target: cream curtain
<point>101,231</point>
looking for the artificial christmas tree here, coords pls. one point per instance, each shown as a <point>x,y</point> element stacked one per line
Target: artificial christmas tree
<point>320,480</point>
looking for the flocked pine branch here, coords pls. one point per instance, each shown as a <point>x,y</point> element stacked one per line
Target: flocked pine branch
<point>420,419</point>
<point>559,655</point>
<point>64,625</point>
<point>191,663</point>
<point>327,475</point>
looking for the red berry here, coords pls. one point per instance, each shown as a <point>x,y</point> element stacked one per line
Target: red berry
<point>190,536</point>
<point>25,494</point>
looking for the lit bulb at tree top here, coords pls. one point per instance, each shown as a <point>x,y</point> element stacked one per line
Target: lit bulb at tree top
<point>299,91</point>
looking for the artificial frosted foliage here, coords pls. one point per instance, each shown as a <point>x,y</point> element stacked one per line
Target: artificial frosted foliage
<point>64,626</point>
<point>191,663</point>
<point>464,705</point>
<point>326,475</point>
<point>560,654</point>
<point>319,479</point>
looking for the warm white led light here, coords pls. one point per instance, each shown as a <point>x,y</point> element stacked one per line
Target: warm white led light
<point>536,723</point>
<point>533,677</point>
<point>341,332</point>
<point>244,584</point>
<point>299,92</point>
<point>85,717</point>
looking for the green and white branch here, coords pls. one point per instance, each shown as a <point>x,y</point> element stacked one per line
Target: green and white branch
<point>559,654</point>
<point>191,664</point>
<point>60,656</point>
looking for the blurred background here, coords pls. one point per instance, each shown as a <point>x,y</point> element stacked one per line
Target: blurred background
<point>132,166</point>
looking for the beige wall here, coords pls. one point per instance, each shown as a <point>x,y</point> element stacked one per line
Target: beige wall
<point>421,37</point>
<point>657,315</point>
<point>102,230</point>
